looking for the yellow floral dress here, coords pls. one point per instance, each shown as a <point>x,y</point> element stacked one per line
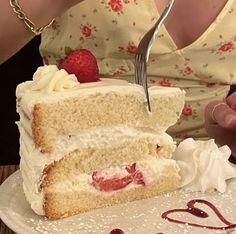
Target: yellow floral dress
<point>112,29</point>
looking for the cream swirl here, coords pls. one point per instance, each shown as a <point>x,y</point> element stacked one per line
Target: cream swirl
<point>203,165</point>
<point>49,78</point>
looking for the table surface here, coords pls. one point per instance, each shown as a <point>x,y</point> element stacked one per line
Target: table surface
<point>6,171</point>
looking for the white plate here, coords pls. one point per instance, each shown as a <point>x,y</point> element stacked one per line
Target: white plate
<point>139,217</point>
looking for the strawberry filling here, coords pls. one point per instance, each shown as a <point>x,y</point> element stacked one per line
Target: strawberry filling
<point>112,184</point>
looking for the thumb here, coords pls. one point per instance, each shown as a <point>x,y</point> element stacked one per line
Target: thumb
<point>218,112</point>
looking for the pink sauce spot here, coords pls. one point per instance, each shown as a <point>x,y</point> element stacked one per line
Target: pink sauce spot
<point>116,231</point>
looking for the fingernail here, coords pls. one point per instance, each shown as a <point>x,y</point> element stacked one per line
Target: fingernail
<point>230,120</point>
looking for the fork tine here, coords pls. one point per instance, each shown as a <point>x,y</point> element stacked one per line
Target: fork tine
<point>144,81</point>
<point>140,81</point>
<point>136,69</point>
<point>141,75</point>
<point>142,66</point>
<point>138,61</point>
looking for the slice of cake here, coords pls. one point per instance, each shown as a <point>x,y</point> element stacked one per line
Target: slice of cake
<point>91,145</point>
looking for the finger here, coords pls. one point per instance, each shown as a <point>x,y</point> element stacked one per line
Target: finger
<point>220,113</point>
<point>231,101</point>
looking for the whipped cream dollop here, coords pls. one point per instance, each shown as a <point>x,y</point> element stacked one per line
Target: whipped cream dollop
<point>49,78</point>
<point>203,165</point>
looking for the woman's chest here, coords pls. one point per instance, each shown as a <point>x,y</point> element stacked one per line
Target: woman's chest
<point>189,19</point>
<point>118,26</point>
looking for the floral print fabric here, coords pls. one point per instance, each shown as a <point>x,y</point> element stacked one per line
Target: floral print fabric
<point>112,29</point>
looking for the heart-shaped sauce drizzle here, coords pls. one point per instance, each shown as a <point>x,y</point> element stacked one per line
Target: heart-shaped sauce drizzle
<point>191,209</point>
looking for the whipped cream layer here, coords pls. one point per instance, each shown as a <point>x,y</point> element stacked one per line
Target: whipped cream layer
<point>51,85</point>
<point>33,161</point>
<point>204,166</point>
<point>151,169</point>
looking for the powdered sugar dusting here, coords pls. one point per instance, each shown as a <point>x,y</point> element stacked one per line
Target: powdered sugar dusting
<point>135,217</point>
<point>145,215</point>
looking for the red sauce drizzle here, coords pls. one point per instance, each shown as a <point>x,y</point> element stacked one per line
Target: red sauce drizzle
<point>191,209</point>
<point>116,231</point>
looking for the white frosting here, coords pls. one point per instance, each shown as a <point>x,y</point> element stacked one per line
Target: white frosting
<point>51,85</point>
<point>204,166</point>
<point>50,78</point>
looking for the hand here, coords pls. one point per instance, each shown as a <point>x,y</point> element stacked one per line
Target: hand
<point>220,122</point>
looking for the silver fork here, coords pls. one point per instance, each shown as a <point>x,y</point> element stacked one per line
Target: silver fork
<point>143,51</point>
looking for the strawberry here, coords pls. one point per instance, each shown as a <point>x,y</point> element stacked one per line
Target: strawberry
<point>108,185</point>
<point>136,174</point>
<point>83,64</point>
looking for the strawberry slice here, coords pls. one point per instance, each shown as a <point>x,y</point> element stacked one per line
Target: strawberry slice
<point>131,169</point>
<point>83,64</point>
<point>109,185</point>
<point>113,184</point>
<point>136,174</point>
